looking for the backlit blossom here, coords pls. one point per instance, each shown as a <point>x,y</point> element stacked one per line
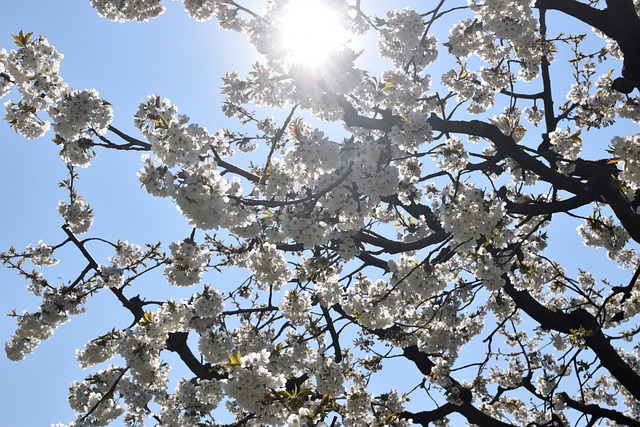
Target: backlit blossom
<point>187,263</point>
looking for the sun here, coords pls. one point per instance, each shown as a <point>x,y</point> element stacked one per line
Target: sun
<point>311,31</point>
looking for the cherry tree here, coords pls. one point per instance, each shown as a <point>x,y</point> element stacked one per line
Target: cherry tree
<point>402,216</point>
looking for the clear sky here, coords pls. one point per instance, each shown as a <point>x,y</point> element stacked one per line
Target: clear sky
<point>173,56</point>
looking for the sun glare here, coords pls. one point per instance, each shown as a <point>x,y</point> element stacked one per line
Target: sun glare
<point>311,31</point>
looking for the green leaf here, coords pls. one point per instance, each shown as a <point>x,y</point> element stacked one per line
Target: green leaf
<point>21,39</point>
<point>234,360</point>
<point>147,318</point>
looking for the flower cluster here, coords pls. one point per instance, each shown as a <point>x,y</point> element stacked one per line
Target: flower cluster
<point>204,196</point>
<point>401,40</point>
<point>566,144</point>
<point>5,78</point>
<point>600,231</point>
<point>98,350</point>
<point>111,276</point>
<point>126,254</point>
<point>414,131</point>
<point>34,68</point>
<point>85,396</point>
<point>41,255</point>
<point>508,20</point>
<point>468,86</point>
<point>451,156</point>
<point>198,396</point>
<point>534,115</point>
<point>297,347</point>
<point>269,267</point>
<point>156,178</point>
<point>627,149</point>
<point>173,139</point>
<point>78,112</point>
<point>469,216</point>
<point>33,328</point>
<point>128,10</point>
<point>468,37</point>
<point>77,116</point>
<point>201,10</point>
<point>207,306</point>
<point>187,263</point>
<point>295,306</point>
<point>78,214</point>
<point>251,379</point>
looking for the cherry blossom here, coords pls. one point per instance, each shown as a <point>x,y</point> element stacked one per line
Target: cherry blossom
<point>359,215</point>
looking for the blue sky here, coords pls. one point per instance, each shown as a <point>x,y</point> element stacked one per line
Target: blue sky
<point>173,56</point>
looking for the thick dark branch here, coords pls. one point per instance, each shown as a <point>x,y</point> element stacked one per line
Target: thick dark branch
<point>293,384</point>
<point>369,259</point>
<point>547,94</point>
<point>547,318</point>
<point>242,421</point>
<point>583,321</point>
<point>249,310</point>
<point>538,95</point>
<point>353,119</point>
<point>335,338</point>
<point>504,144</point>
<point>290,247</point>
<point>626,290</point>
<point>600,181</point>
<point>420,359</point>
<point>507,146</point>
<point>416,210</point>
<point>466,409</point>
<point>394,247</point>
<point>7,77</point>
<point>477,417</point>
<point>133,142</point>
<point>624,26</point>
<point>585,13</point>
<point>599,412</point>
<point>608,187</point>
<point>618,21</point>
<point>177,342</point>
<point>235,169</point>
<point>542,208</point>
<point>426,417</point>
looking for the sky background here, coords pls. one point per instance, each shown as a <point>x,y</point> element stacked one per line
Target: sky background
<point>173,56</point>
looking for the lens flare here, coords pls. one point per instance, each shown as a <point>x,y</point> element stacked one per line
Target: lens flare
<point>311,31</point>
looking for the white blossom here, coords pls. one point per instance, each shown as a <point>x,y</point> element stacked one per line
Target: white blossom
<point>187,263</point>
<point>269,267</point>
<point>78,214</point>
<point>128,10</point>
<point>41,255</point>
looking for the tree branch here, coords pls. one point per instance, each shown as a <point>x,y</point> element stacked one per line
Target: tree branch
<point>578,320</point>
<point>177,342</point>
<point>507,146</point>
<point>599,412</point>
<point>335,338</point>
<point>542,208</point>
<point>583,12</point>
<point>394,247</point>
<point>426,417</point>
